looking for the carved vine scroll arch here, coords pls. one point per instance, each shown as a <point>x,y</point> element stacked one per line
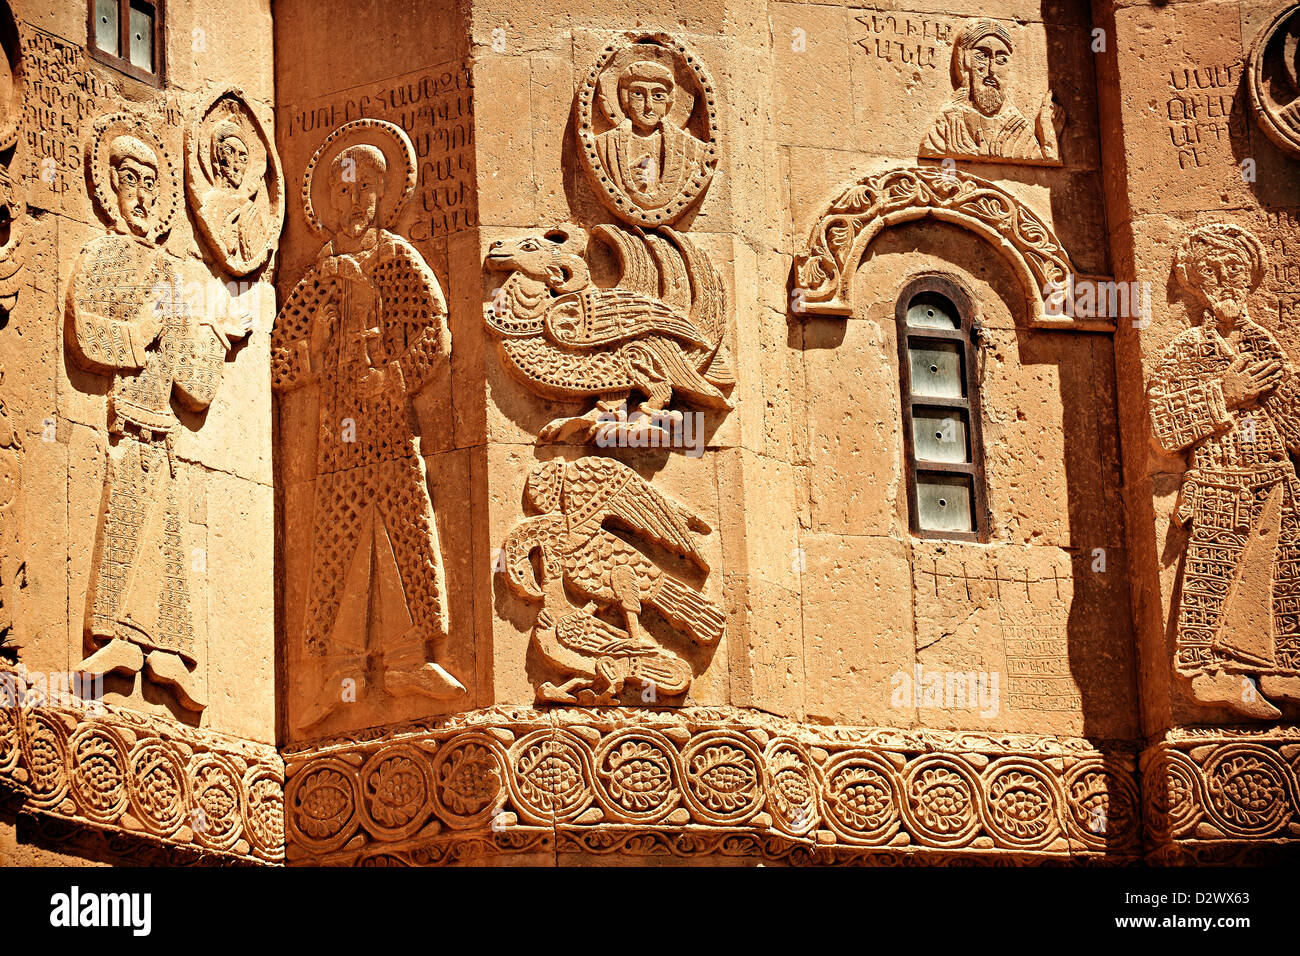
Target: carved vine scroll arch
<point>823,273</point>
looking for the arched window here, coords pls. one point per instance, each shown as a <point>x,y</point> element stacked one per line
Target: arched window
<point>941,410</point>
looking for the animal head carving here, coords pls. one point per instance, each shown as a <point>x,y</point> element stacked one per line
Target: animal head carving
<point>554,258</point>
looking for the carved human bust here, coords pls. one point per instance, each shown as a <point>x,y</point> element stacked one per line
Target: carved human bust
<point>981,121</point>
<point>645,161</point>
<point>234,183</point>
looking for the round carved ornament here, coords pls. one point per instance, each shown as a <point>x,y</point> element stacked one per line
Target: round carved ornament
<point>156,786</point>
<point>724,778</point>
<point>551,776</point>
<point>1023,804</point>
<point>45,752</point>
<point>941,801</point>
<point>792,787</point>
<point>321,805</point>
<point>1273,78</point>
<point>1248,790</point>
<point>98,756</point>
<point>469,774</point>
<point>638,776</point>
<point>862,798</point>
<point>395,792</point>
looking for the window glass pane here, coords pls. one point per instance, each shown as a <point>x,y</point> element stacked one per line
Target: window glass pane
<point>106,26</point>
<point>141,35</point>
<point>929,310</point>
<point>944,502</point>
<point>936,369</point>
<point>939,434</point>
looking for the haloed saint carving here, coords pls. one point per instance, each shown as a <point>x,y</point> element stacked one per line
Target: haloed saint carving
<point>127,319</point>
<point>367,328</point>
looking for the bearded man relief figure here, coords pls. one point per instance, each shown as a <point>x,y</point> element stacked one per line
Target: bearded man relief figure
<point>234,183</point>
<point>1226,392</point>
<point>367,326</point>
<point>981,122</point>
<point>127,319</point>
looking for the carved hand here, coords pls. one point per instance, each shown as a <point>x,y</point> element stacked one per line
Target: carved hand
<point>1245,381</point>
<point>322,329</point>
<point>148,325</point>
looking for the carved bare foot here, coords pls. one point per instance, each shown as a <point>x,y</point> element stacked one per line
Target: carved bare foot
<point>1281,687</point>
<point>430,680</point>
<point>167,668</point>
<point>116,655</point>
<point>1234,691</point>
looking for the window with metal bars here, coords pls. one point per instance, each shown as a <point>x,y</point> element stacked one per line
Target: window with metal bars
<point>128,36</point>
<point>941,410</point>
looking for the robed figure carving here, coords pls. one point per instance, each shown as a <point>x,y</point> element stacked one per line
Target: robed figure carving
<point>128,318</point>
<point>367,326</point>
<point>1226,392</point>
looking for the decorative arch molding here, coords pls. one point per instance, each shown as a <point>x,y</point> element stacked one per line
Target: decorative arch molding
<point>823,274</point>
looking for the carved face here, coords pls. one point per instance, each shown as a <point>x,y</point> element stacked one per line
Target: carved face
<point>1223,281</point>
<point>554,259</point>
<point>356,188</point>
<point>988,66</point>
<point>646,102</point>
<point>136,186</point>
<point>230,157</point>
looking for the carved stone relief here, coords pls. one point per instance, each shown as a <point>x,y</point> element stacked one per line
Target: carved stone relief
<point>13,206</point>
<point>367,328</point>
<point>1274,80</point>
<point>143,779</point>
<point>127,319</point>
<point>823,273</point>
<point>647,123</point>
<point>660,332</point>
<point>1226,393</point>
<point>580,555</point>
<point>700,781</point>
<point>981,122</point>
<point>234,183</point>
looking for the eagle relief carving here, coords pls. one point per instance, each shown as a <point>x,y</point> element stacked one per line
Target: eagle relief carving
<point>660,332</point>
<point>577,504</point>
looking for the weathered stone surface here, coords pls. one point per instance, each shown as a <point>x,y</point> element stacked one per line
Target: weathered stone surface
<point>721,432</point>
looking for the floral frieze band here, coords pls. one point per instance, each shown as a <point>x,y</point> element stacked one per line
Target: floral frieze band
<point>136,776</point>
<point>702,781</point>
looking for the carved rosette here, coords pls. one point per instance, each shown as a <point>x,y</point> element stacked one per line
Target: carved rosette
<point>823,273</point>
<point>642,194</point>
<point>1221,796</point>
<point>701,781</point>
<point>140,780</point>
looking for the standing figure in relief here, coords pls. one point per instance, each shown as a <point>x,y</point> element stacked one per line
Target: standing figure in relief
<point>981,121</point>
<point>1225,390</point>
<point>367,326</point>
<point>127,319</point>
